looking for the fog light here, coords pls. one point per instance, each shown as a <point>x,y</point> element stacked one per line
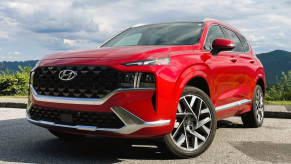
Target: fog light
<point>147,80</point>
<point>126,79</point>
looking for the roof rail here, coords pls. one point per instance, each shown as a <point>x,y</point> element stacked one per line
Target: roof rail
<point>139,24</point>
<point>207,19</point>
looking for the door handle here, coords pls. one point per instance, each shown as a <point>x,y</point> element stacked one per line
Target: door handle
<point>251,61</point>
<point>233,59</point>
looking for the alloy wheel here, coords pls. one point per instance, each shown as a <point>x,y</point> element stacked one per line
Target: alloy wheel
<point>193,123</point>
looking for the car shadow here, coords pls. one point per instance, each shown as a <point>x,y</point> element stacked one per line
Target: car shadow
<point>228,124</point>
<point>26,143</point>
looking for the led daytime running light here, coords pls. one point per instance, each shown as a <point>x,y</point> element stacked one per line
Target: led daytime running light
<point>161,61</point>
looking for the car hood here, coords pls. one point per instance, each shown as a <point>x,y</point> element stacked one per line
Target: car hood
<point>125,52</point>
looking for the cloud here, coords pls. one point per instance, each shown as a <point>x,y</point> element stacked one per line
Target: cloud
<point>0,49</point>
<point>16,53</point>
<point>27,26</point>
<point>10,57</point>
<point>280,35</point>
<point>62,44</point>
<point>256,39</point>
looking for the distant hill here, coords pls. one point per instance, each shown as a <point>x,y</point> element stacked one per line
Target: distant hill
<point>13,65</point>
<point>274,63</point>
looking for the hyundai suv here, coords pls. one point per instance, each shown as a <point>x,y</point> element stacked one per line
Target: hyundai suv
<point>169,82</point>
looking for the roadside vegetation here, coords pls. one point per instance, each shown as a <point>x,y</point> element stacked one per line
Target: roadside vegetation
<point>281,91</point>
<point>15,84</point>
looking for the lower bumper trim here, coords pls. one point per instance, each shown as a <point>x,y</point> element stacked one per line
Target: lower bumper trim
<point>132,123</point>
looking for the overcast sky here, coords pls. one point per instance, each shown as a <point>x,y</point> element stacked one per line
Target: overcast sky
<point>31,29</point>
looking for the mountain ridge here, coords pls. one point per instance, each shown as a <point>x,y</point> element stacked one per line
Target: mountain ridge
<point>274,63</point>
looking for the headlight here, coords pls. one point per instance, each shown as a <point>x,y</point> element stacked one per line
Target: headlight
<point>136,80</point>
<point>161,61</point>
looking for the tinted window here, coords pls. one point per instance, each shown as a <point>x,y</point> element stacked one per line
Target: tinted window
<point>130,40</point>
<point>213,33</point>
<point>244,43</point>
<point>159,34</point>
<point>232,36</point>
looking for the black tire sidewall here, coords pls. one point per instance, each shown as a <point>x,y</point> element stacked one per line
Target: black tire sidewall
<point>254,109</point>
<point>188,154</point>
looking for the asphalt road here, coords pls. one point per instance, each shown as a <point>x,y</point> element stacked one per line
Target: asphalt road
<point>21,142</point>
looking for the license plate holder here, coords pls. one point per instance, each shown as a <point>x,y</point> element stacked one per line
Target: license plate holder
<point>66,117</point>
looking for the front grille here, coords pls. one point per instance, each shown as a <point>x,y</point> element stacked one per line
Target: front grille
<point>98,119</point>
<point>90,82</point>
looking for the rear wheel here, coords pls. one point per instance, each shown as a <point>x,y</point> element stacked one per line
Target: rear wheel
<point>255,117</point>
<point>195,125</point>
<point>66,136</point>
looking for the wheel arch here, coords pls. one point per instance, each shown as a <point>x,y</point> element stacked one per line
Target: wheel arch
<point>260,80</point>
<point>191,78</point>
<point>200,83</point>
<point>261,83</point>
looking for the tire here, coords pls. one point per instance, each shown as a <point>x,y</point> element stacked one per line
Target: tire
<point>200,131</point>
<point>66,136</point>
<point>255,117</point>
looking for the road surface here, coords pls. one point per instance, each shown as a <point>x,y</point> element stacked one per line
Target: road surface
<point>21,142</point>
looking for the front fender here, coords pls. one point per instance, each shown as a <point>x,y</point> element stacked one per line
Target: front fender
<point>184,78</point>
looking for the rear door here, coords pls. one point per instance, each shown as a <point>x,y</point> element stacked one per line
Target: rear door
<point>247,66</point>
<point>242,77</point>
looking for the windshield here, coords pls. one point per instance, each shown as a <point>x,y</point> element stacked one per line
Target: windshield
<point>159,34</point>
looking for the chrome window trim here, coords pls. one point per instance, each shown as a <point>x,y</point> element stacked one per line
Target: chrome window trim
<point>112,38</point>
<point>238,39</point>
<point>208,19</point>
<point>232,105</point>
<point>246,41</point>
<point>226,38</point>
<point>138,25</point>
<point>85,101</point>
<point>131,121</point>
<point>207,35</point>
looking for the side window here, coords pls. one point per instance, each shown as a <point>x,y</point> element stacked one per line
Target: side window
<point>232,36</point>
<point>213,33</point>
<point>244,43</point>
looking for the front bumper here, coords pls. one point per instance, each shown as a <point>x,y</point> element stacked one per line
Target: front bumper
<point>132,123</point>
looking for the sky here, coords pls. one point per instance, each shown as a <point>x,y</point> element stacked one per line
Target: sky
<point>31,29</point>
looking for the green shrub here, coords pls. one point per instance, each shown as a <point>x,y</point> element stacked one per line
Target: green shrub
<point>14,82</point>
<point>280,91</point>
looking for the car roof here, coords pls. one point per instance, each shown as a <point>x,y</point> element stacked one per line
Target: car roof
<point>206,20</point>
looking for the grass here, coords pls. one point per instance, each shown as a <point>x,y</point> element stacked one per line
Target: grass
<point>15,96</point>
<point>278,102</point>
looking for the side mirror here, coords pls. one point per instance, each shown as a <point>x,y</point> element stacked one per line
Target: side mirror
<point>219,45</point>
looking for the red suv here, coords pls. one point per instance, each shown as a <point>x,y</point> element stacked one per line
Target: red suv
<point>169,81</point>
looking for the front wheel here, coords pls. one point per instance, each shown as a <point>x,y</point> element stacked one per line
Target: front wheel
<point>255,117</point>
<point>195,125</point>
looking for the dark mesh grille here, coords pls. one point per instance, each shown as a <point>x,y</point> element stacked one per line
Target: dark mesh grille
<point>98,119</point>
<point>90,82</point>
